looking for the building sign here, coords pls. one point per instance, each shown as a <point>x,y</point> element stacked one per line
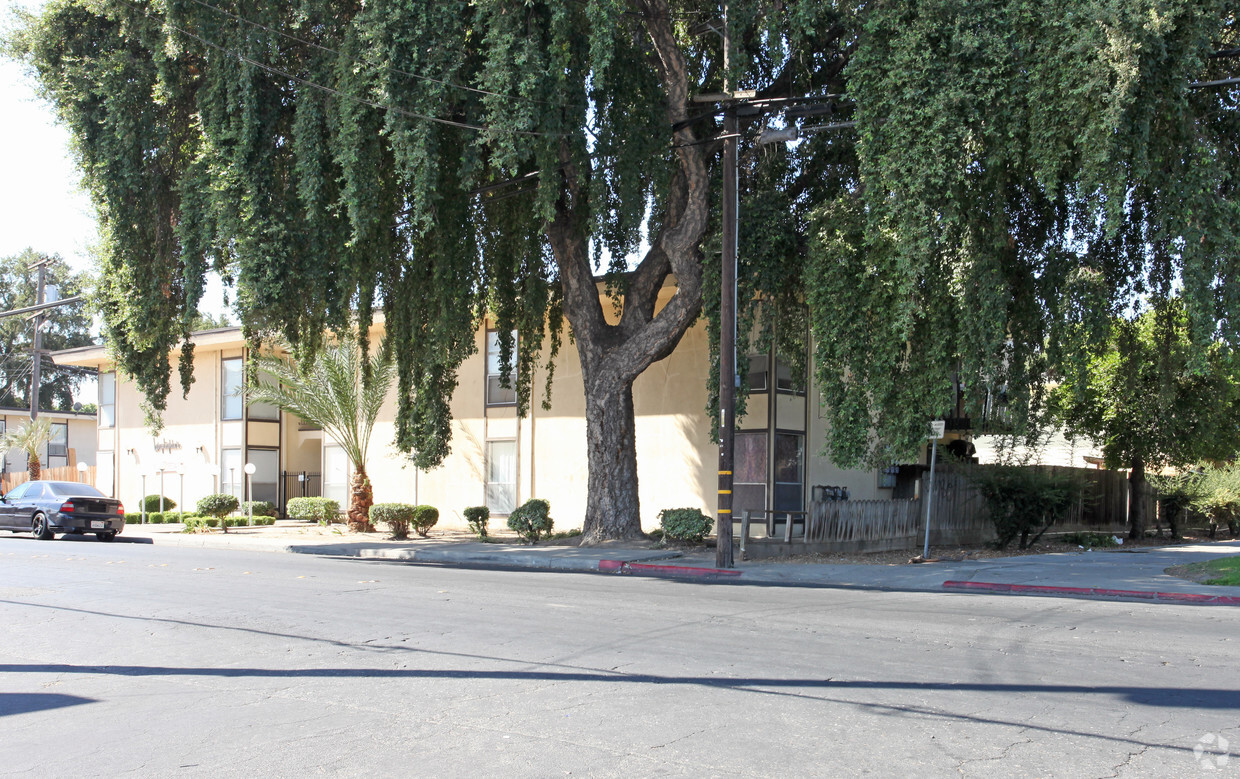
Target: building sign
<point>166,447</point>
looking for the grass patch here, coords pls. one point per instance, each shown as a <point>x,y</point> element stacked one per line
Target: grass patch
<point>1225,571</point>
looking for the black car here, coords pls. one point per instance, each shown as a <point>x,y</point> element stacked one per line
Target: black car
<point>46,508</point>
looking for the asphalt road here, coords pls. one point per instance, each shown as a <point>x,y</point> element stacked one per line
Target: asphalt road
<point>155,661</point>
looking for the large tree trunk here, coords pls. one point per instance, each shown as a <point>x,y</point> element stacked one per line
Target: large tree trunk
<point>612,508</point>
<point>614,355</point>
<point>34,467</point>
<point>1136,499</point>
<point>360,500</point>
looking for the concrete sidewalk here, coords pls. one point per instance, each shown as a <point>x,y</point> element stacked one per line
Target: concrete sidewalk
<point>1138,570</point>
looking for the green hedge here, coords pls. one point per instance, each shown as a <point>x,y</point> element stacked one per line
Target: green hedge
<point>478,517</point>
<point>319,509</point>
<point>685,524</point>
<point>531,520</point>
<point>151,503</point>
<point>133,519</point>
<point>262,508</point>
<point>397,516</point>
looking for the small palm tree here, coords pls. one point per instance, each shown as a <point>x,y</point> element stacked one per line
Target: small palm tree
<point>333,394</point>
<point>31,438</point>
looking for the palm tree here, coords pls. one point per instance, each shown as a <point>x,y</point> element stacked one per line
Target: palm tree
<point>332,393</point>
<point>31,438</point>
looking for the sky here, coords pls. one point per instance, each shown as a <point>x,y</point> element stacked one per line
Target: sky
<point>42,205</point>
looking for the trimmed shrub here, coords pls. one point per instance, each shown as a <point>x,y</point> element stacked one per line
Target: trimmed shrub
<point>151,503</point>
<point>424,518</point>
<point>262,508</point>
<point>218,505</point>
<point>685,524</point>
<point>133,519</point>
<point>478,517</point>
<point>397,516</point>
<point>316,509</point>
<point>531,520</point>
<point>1089,540</point>
<point>194,523</point>
<point>155,519</point>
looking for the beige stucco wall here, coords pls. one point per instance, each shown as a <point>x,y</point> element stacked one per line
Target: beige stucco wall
<point>676,455</point>
<point>81,437</point>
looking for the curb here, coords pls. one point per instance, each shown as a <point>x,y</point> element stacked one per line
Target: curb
<point>648,569</point>
<point>1095,592</point>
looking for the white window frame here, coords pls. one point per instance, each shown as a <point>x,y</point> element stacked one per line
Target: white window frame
<point>58,428</point>
<point>497,491</point>
<point>107,399</point>
<point>230,395</point>
<point>501,395</point>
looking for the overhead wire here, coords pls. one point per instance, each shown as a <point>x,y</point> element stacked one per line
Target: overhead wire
<point>331,90</point>
<point>391,68</point>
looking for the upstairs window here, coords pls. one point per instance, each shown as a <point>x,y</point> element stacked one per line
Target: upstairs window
<point>107,400</point>
<point>231,402</point>
<point>497,394</point>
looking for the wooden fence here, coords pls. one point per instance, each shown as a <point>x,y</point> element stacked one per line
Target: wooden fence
<point>9,480</point>
<point>959,516</point>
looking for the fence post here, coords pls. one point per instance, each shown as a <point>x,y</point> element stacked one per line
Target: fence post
<point>744,534</point>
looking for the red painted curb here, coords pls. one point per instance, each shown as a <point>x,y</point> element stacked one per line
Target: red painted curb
<point>1040,589</point>
<point>619,566</point>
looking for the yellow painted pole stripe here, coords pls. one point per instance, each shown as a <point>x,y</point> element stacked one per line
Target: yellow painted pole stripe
<point>725,492</point>
<point>725,473</point>
<point>725,511</point>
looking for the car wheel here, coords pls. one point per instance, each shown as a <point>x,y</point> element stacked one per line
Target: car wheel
<point>108,536</point>
<point>41,529</point>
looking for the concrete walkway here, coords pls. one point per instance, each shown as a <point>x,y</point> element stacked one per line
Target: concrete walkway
<point>1140,572</point>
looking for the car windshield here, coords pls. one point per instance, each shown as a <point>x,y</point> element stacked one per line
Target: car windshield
<point>72,489</point>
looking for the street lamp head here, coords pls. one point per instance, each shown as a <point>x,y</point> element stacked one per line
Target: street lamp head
<point>250,468</point>
<point>778,136</point>
<point>82,467</point>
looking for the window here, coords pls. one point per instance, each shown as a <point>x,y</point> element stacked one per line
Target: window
<point>336,475</point>
<point>497,394</point>
<point>58,447</point>
<point>757,373</point>
<point>266,474</point>
<point>789,470</point>
<point>501,476</point>
<point>749,476</point>
<point>230,389</point>
<point>787,380</point>
<point>232,473</point>
<point>107,400</point>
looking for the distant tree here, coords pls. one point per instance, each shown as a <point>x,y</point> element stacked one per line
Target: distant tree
<point>31,438</point>
<point>209,321</point>
<point>66,328</point>
<point>342,393</point>
<point>1152,398</point>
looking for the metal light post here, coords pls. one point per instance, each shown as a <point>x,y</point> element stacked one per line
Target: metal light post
<point>937,428</point>
<point>181,474</point>
<point>249,469</point>
<point>142,502</point>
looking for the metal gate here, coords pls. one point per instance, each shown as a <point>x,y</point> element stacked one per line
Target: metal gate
<point>299,484</point>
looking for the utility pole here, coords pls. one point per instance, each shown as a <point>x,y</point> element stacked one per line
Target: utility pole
<point>37,365</point>
<point>727,317</point>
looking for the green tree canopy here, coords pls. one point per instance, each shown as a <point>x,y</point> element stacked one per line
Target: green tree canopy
<point>1015,169</point>
<point>66,327</point>
<point>1152,398</point>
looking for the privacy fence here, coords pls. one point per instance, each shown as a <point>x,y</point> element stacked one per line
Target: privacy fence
<point>958,516</point>
<point>9,480</point>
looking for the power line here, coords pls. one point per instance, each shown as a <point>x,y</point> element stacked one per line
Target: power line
<point>315,85</point>
<point>391,68</point>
